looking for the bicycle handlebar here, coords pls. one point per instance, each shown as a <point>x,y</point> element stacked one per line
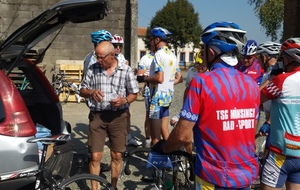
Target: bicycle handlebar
<point>49,140</point>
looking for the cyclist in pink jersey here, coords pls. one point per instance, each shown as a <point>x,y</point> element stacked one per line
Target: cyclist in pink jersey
<point>249,64</point>
<point>220,110</point>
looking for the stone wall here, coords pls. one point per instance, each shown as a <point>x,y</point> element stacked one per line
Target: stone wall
<point>73,42</point>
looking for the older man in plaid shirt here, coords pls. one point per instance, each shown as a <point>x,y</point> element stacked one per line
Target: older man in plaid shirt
<point>108,114</point>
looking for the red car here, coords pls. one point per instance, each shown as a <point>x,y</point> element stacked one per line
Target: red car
<point>27,98</point>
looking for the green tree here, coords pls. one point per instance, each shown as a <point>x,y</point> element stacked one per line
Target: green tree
<point>180,18</point>
<point>274,14</point>
<point>270,13</point>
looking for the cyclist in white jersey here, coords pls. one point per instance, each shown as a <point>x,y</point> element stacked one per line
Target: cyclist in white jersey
<point>164,73</point>
<point>118,43</point>
<point>282,164</point>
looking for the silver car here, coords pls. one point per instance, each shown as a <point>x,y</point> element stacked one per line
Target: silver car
<point>27,98</point>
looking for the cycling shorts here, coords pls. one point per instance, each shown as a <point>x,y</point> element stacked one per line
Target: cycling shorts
<point>158,112</point>
<point>278,169</point>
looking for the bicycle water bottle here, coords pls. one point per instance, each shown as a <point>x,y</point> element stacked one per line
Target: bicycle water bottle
<point>169,185</point>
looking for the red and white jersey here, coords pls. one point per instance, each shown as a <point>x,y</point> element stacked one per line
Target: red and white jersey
<point>284,91</point>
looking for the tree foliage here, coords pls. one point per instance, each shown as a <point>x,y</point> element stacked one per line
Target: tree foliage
<point>270,14</point>
<point>180,18</point>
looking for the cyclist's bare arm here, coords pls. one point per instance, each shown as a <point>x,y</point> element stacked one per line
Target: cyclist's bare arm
<point>181,135</point>
<point>158,78</point>
<point>178,78</point>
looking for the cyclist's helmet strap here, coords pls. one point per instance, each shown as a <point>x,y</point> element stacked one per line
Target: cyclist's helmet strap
<point>101,35</point>
<point>250,48</point>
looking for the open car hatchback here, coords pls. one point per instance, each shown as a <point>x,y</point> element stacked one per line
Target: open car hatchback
<point>27,98</point>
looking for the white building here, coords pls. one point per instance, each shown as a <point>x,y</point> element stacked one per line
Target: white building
<point>185,55</point>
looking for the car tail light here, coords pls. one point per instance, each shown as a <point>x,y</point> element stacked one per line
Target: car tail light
<point>17,121</point>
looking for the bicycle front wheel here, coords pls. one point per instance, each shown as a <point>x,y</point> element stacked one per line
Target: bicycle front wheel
<point>83,182</point>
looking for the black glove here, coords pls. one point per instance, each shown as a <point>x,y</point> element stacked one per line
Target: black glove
<point>158,147</point>
<point>277,69</point>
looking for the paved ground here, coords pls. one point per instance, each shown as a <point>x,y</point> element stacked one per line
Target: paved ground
<point>76,114</point>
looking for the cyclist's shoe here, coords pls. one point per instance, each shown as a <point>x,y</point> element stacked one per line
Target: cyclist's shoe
<point>105,167</point>
<point>134,142</point>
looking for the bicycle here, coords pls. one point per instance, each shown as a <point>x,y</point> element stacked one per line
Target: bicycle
<point>49,177</point>
<point>62,87</point>
<point>161,164</point>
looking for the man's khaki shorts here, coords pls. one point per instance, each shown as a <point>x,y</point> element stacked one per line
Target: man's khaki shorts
<point>111,124</point>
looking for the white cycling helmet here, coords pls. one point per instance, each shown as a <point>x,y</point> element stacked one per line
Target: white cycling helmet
<point>117,39</point>
<point>268,47</point>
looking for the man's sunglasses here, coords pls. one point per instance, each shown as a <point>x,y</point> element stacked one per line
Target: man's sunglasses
<point>118,45</point>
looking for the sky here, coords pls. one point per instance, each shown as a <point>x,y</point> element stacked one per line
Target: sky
<point>210,11</point>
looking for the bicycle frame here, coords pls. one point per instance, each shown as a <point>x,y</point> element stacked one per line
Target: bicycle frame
<point>62,86</point>
<point>160,170</point>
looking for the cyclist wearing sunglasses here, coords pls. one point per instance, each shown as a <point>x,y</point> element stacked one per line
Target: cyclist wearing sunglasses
<point>118,42</point>
<point>249,64</point>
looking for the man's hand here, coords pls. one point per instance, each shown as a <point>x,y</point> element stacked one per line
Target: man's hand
<point>97,95</point>
<point>117,102</point>
<point>158,147</point>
